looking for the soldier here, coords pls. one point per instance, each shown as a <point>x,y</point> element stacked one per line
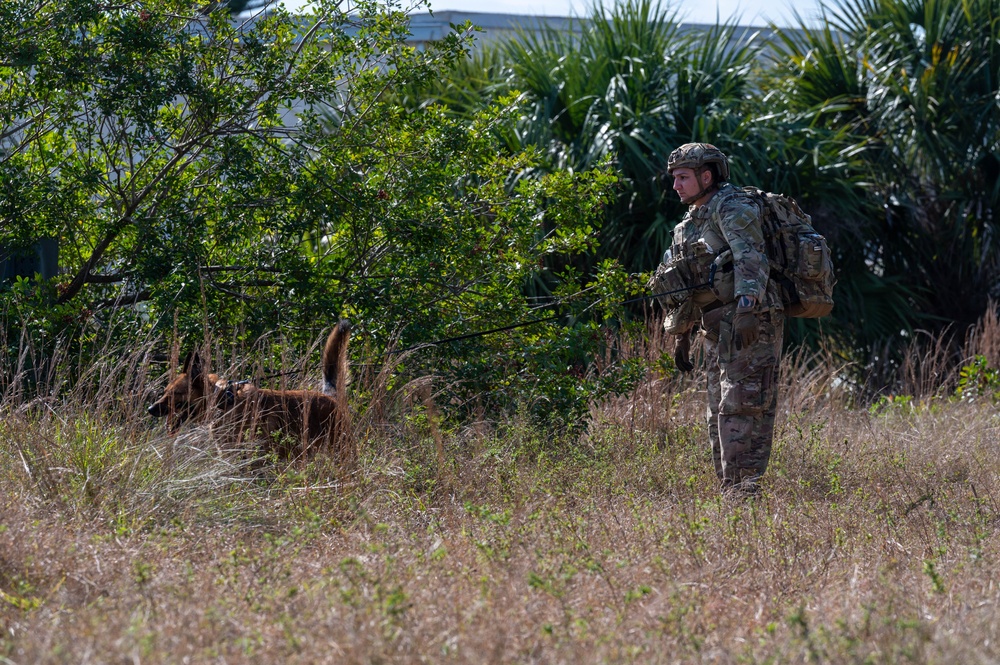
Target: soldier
<point>720,240</point>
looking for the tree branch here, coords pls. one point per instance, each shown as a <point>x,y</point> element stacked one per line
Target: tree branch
<point>81,276</point>
<point>125,301</point>
<point>240,269</point>
<point>105,279</point>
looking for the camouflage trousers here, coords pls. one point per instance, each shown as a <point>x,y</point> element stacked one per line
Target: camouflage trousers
<point>742,395</point>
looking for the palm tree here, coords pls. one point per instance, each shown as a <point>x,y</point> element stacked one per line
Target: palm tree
<point>627,88</point>
<point>882,123</point>
<point>622,87</point>
<point>905,91</point>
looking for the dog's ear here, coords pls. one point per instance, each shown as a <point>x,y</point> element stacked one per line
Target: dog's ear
<point>193,366</point>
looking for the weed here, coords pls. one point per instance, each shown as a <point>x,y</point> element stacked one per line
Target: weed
<point>873,539</point>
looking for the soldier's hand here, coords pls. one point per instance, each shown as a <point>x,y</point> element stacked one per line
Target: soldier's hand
<point>746,329</point>
<point>682,349</point>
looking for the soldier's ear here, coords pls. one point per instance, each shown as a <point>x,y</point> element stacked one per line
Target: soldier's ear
<point>707,177</point>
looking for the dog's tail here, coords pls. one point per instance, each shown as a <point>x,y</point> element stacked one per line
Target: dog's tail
<point>335,371</point>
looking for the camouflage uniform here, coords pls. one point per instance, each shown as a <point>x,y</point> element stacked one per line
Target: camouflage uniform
<point>742,391</point>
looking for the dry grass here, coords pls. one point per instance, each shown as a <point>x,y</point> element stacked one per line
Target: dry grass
<point>875,541</point>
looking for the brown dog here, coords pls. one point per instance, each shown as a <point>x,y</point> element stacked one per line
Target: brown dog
<point>289,422</point>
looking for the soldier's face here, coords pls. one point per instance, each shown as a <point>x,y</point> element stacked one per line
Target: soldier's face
<point>690,186</point>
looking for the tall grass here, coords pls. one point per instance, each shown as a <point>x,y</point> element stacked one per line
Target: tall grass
<point>875,539</point>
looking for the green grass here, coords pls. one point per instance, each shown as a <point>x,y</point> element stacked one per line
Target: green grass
<point>875,539</point>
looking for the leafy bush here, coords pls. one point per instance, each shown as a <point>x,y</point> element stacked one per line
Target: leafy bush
<point>213,182</point>
<point>978,380</point>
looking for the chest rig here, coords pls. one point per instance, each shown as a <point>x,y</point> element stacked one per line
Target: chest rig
<point>696,275</point>
<point>700,244</point>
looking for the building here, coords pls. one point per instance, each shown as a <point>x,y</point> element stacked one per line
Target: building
<point>429,27</point>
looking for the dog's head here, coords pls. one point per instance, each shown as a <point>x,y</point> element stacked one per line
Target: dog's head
<point>189,396</point>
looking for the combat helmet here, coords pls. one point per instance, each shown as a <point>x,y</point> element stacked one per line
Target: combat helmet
<point>697,155</point>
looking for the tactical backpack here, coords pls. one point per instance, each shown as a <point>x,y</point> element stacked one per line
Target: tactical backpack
<point>799,258</point>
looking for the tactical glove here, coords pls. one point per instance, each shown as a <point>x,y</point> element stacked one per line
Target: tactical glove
<point>746,329</point>
<point>681,350</point>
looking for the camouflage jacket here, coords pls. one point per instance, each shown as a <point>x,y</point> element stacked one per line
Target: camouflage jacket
<point>729,222</point>
<point>725,231</point>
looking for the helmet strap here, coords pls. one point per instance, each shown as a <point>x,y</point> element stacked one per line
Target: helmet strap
<point>691,200</point>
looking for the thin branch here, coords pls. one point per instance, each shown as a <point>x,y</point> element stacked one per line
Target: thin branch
<point>240,269</point>
<point>81,276</point>
<point>125,301</point>
<point>106,279</point>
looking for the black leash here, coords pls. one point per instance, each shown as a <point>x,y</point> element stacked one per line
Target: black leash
<point>523,324</point>
<point>710,283</point>
<point>668,293</point>
<point>483,333</point>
